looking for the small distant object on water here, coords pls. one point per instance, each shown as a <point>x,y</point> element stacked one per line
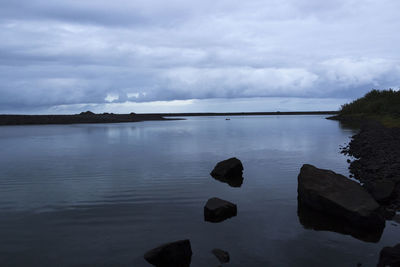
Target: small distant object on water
<point>227,119</point>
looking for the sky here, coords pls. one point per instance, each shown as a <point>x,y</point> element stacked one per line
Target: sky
<point>66,56</point>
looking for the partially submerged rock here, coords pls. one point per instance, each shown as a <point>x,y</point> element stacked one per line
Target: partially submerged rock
<point>229,171</point>
<point>332,193</point>
<point>222,255</point>
<point>174,254</point>
<point>390,256</point>
<point>218,210</point>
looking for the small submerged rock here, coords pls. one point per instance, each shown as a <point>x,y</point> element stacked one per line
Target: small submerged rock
<point>218,210</point>
<point>390,256</point>
<point>332,193</point>
<point>174,254</point>
<point>229,171</point>
<point>222,255</point>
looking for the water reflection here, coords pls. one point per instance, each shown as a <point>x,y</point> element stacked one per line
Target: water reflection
<point>90,195</point>
<point>318,221</point>
<point>233,181</point>
<point>350,125</point>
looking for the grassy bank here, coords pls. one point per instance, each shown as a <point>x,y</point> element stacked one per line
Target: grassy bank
<point>377,105</point>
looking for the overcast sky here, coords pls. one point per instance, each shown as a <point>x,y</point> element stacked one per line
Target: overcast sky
<point>67,55</point>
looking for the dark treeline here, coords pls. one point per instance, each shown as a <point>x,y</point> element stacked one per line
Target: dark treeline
<point>381,106</point>
<point>376,102</point>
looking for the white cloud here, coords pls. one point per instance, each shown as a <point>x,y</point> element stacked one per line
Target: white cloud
<point>356,72</point>
<point>133,95</point>
<point>111,97</point>
<point>209,105</point>
<point>239,81</point>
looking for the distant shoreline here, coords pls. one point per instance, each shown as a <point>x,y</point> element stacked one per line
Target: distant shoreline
<point>245,113</point>
<point>89,117</point>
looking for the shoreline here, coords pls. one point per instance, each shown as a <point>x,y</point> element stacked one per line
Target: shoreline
<point>196,114</point>
<point>89,117</point>
<point>376,160</point>
<point>76,119</point>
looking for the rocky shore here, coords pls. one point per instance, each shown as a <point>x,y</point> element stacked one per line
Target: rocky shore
<point>376,163</point>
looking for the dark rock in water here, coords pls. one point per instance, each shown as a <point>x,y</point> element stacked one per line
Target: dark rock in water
<point>174,254</point>
<point>218,210</point>
<point>332,193</point>
<point>381,190</point>
<point>319,221</point>
<point>229,171</point>
<point>222,255</point>
<point>390,256</point>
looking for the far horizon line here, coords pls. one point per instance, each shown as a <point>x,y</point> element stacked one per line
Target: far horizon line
<point>190,113</point>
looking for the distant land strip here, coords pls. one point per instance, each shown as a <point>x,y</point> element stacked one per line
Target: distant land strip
<point>90,117</point>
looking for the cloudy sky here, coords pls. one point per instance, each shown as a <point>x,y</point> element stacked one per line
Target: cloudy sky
<point>172,56</point>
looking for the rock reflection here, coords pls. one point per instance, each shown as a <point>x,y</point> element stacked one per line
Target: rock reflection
<point>319,221</point>
<point>233,181</point>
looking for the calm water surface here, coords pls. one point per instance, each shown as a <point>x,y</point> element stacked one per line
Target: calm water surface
<point>103,194</point>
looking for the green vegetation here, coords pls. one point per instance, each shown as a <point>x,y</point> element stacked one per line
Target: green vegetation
<point>381,105</point>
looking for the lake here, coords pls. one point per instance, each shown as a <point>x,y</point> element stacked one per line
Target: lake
<point>104,194</point>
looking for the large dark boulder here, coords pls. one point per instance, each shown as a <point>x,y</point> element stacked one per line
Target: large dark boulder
<point>390,256</point>
<point>332,193</point>
<point>174,254</point>
<point>229,171</point>
<point>218,210</point>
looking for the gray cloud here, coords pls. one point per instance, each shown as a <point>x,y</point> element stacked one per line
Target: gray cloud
<point>99,52</point>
